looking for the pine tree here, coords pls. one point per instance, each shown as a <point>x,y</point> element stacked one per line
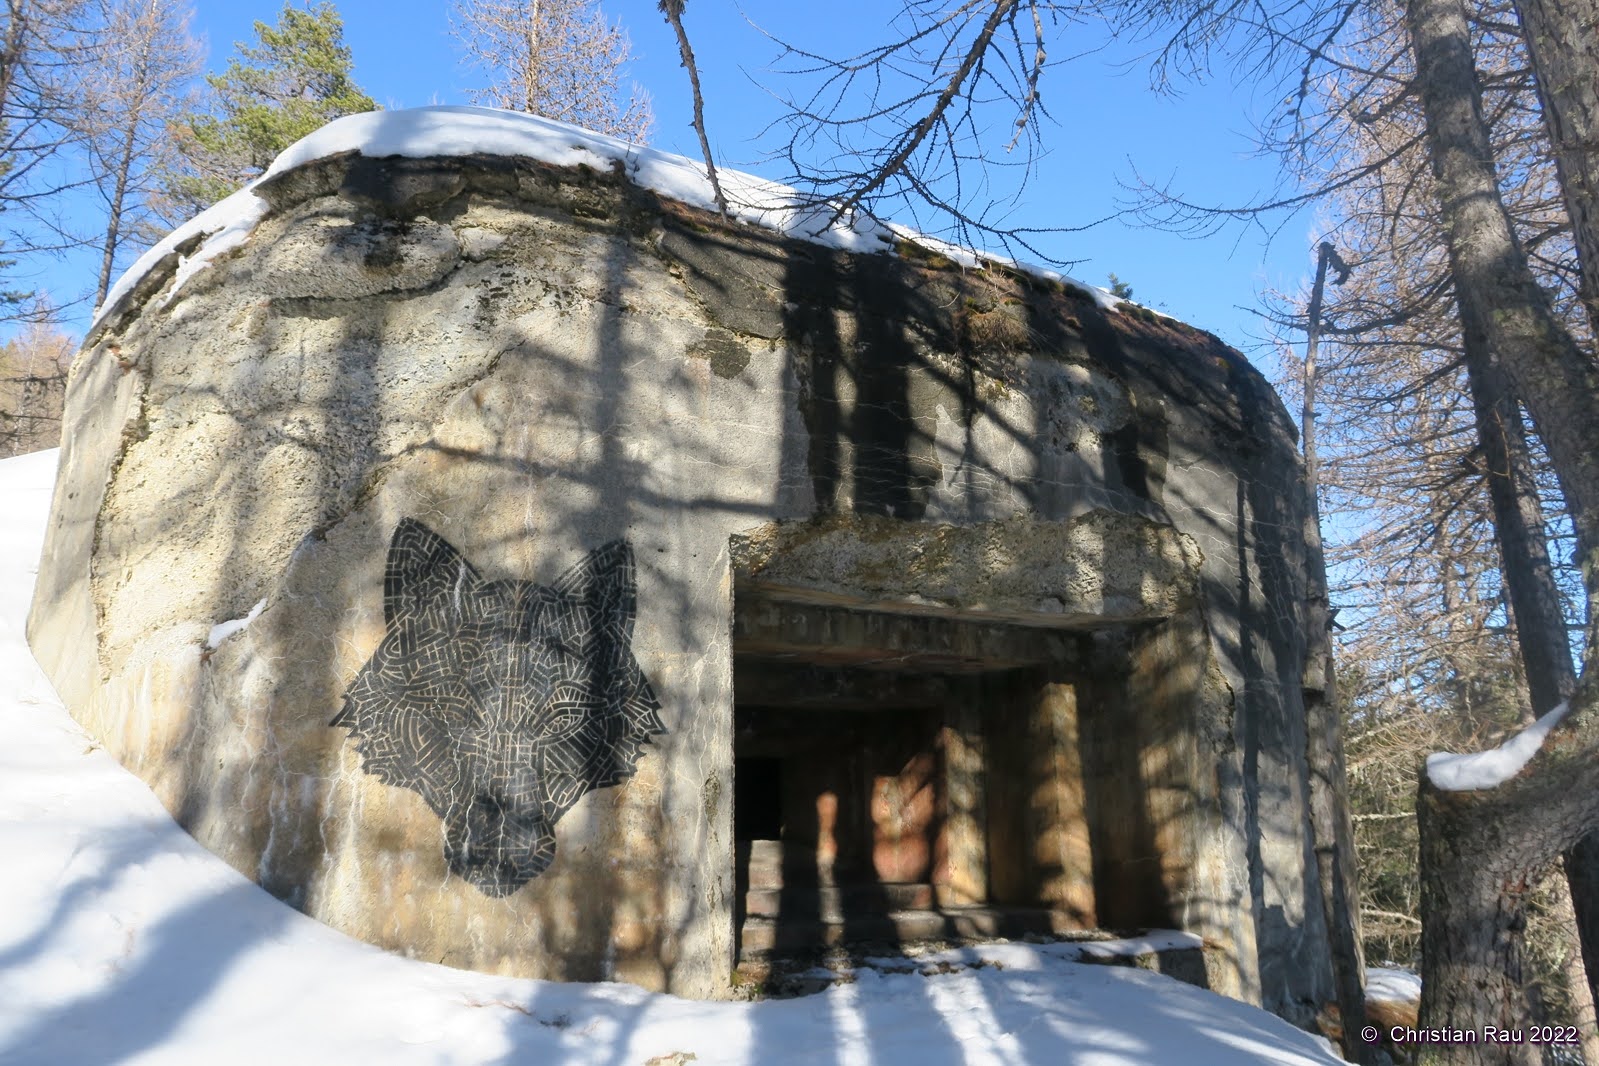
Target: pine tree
<point>294,80</point>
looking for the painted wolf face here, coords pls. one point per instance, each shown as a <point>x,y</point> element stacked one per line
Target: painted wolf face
<point>501,703</point>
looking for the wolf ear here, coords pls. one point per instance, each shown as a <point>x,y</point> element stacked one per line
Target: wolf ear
<point>420,565</point>
<point>604,581</point>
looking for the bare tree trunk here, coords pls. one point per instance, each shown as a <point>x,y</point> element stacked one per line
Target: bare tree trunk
<point>1478,849</point>
<point>673,10</point>
<point>1557,380</point>
<point>530,61</point>
<point>1324,755</point>
<point>1473,914</point>
<point>1582,874</point>
<point>121,173</point>
<point>1563,40</point>
<point>1576,973</point>
<point>1519,526</point>
<point>1540,621</point>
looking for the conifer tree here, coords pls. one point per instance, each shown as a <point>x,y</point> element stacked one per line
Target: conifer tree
<point>128,96</point>
<point>41,42</point>
<point>295,79</point>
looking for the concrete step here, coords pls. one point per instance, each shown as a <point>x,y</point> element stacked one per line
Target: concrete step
<point>763,935</point>
<point>772,864</point>
<point>832,902</point>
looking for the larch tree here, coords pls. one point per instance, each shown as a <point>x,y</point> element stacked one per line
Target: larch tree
<point>1563,41</point>
<point>1443,552</point>
<point>41,44</point>
<point>1478,848</point>
<point>294,80</point>
<point>133,89</point>
<point>562,59</point>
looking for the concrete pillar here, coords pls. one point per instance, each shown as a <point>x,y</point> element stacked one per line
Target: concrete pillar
<point>960,876</point>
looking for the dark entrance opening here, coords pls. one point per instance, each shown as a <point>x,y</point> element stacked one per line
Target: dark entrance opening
<point>909,777</point>
<point>757,798</point>
<point>837,821</point>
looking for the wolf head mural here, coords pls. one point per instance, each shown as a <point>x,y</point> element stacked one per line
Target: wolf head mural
<point>501,703</point>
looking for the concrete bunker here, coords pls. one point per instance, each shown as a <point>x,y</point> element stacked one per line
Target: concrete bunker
<point>575,532</point>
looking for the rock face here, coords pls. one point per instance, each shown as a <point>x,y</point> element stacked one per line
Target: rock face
<point>590,533</point>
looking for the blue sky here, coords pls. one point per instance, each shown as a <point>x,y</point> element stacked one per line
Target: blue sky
<point>1107,125</point>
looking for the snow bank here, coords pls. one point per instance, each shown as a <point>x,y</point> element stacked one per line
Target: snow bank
<point>451,131</point>
<point>24,509</point>
<point>1486,769</point>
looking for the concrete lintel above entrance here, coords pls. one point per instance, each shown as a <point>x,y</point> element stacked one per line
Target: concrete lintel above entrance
<point>779,630</point>
<point>1100,568</point>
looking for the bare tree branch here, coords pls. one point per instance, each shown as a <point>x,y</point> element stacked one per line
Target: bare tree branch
<point>673,10</point>
<point>558,58</point>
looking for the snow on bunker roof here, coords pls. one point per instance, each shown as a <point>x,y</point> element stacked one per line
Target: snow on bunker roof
<point>450,130</point>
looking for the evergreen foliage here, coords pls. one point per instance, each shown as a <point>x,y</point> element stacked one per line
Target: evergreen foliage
<point>294,80</point>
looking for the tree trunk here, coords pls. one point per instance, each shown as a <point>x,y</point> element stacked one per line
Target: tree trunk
<point>119,194</point>
<point>673,10</point>
<point>1563,41</point>
<point>1473,915</point>
<point>1557,380</point>
<point>1331,825</point>
<point>1478,848</point>
<point>1540,622</point>
<point>1582,871</point>
<point>1519,528</point>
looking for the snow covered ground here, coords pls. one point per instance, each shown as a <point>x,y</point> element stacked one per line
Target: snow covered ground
<point>124,941</point>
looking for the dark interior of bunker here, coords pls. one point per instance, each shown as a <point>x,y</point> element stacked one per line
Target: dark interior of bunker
<point>902,778</point>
